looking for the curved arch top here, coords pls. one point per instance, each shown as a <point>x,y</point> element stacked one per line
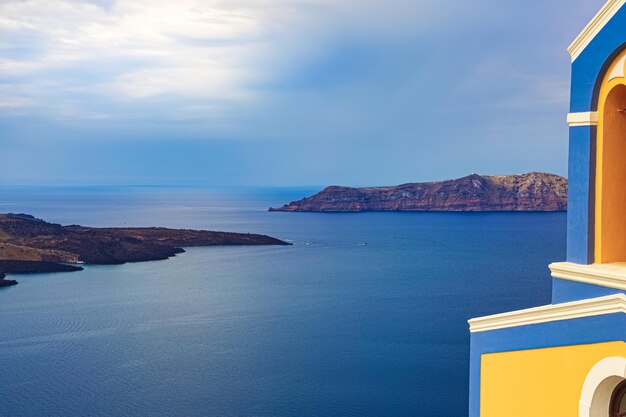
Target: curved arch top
<point>602,379</point>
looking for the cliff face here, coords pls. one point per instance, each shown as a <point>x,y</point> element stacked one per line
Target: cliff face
<point>528,192</point>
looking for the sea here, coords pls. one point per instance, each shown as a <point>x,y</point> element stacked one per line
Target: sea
<point>364,315</point>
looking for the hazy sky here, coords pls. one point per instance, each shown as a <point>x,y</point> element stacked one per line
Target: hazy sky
<point>283,92</point>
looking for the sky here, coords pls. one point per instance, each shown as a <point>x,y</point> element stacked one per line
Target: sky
<point>283,92</point>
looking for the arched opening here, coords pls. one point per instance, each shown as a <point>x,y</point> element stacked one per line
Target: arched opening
<point>601,386</point>
<point>610,245</point>
<point>618,401</point>
<point>612,211</point>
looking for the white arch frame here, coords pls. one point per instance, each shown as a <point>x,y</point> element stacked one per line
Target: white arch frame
<point>599,385</point>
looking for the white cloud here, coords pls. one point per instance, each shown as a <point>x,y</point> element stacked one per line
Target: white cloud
<point>149,48</point>
<point>198,80</point>
<point>211,49</point>
<point>14,102</point>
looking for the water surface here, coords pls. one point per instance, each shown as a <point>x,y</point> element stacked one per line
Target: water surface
<point>365,315</point>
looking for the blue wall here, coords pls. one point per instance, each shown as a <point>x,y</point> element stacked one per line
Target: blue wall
<point>564,291</point>
<point>581,195</point>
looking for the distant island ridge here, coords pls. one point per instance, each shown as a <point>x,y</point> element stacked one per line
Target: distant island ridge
<point>535,191</point>
<point>29,245</point>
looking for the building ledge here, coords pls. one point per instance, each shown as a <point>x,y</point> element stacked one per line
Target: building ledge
<point>611,304</point>
<point>605,275</point>
<point>582,119</point>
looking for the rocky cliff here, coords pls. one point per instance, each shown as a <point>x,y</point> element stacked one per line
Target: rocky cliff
<point>527,192</point>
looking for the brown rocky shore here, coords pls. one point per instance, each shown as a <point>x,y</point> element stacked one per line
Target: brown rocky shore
<point>535,191</point>
<point>29,267</point>
<point>29,245</point>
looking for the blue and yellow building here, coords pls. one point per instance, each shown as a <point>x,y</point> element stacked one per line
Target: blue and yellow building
<point>568,358</point>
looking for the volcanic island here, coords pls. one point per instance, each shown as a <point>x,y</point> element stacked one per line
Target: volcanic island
<point>29,245</point>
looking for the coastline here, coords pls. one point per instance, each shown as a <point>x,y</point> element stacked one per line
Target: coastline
<point>31,245</point>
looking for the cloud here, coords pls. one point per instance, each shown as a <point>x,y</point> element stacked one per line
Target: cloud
<point>147,47</point>
<point>14,103</point>
<point>216,50</point>
<point>305,91</point>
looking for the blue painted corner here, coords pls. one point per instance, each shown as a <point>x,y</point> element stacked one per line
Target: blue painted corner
<point>580,231</point>
<point>564,291</point>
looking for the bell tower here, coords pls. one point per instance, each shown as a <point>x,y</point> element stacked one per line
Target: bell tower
<point>569,357</point>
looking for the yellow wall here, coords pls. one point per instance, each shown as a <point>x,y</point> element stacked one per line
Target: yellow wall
<point>611,168</point>
<point>539,383</point>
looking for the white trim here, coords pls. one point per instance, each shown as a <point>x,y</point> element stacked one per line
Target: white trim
<point>611,304</point>
<point>601,381</point>
<point>589,118</point>
<point>618,71</point>
<point>594,27</point>
<point>605,275</point>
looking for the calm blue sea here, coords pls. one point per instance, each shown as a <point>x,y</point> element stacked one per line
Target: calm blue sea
<point>327,327</point>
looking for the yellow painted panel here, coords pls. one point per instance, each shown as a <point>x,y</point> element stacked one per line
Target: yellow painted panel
<point>539,383</point>
<point>610,222</point>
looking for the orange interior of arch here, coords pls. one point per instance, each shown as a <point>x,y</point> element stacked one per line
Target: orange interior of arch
<point>610,224</point>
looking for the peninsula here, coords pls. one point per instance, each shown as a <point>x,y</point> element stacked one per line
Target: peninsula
<point>28,244</point>
<point>535,191</point>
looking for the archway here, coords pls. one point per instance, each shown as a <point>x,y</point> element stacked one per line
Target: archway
<point>604,377</point>
<point>610,224</point>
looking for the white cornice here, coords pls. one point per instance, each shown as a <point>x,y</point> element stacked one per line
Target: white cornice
<point>589,118</point>
<point>594,27</point>
<point>554,312</point>
<point>605,275</point>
